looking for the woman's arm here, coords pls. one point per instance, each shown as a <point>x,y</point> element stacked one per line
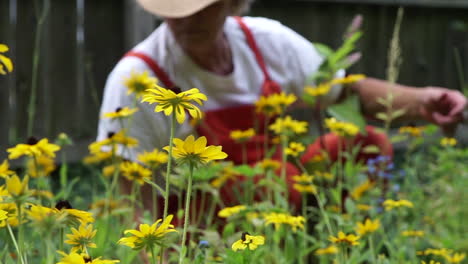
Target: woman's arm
<point>440,106</point>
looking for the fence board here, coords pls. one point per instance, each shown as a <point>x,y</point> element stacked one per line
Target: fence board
<point>5,38</point>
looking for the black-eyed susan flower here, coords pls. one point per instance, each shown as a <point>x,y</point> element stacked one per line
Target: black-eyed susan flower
<point>342,238</point>
<point>17,187</point>
<point>120,113</point>
<point>303,183</point>
<point>455,257</point>
<point>113,139</point>
<point>266,106</point>
<point>34,148</point>
<point>248,241</point>
<point>448,142</point>
<point>74,215</point>
<point>225,175</point>
<point>81,238</point>
<point>412,233</point>
<point>138,83</point>
<point>242,135</point>
<point>76,258</point>
<point>104,206</point>
<point>435,252</point>
<point>269,164</point>
<point>230,211</point>
<point>135,172</point>
<point>430,262</point>
<point>367,226</point>
<point>5,62</point>
<point>283,100</point>
<point>148,236</point>
<point>40,167</point>
<point>288,126</point>
<point>412,131</point>
<point>279,219</point>
<point>319,90</point>
<point>359,190</point>
<point>195,151</point>
<point>12,214</point>
<point>109,170</point>
<point>391,204</point>
<point>330,250</point>
<point>294,149</point>
<point>343,129</point>
<point>167,101</point>
<point>5,169</point>
<point>98,157</point>
<point>3,215</point>
<point>153,159</point>
<point>352,78</point>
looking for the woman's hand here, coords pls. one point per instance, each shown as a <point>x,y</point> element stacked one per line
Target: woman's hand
<point>443,107</point>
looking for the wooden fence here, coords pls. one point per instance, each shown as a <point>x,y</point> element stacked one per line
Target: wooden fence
<point>80,41</point>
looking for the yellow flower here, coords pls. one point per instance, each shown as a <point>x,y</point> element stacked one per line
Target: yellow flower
<point>5,169</point>
<point>324,175</point>
<point>153,159</point>
<point>5,62</point>
<point>390,204</point>
<point>15,186</point>
<point>367,226</point>
<point>74,215</point>
<point>226,174</point>
<point>81,238</point>
<point>412,233</point>
<point>168,101</point>
<point>104,206</point>
<point>351,239</point>
<point>266,106</point>
<point>252,242</point>
<point>411,130</point>
<point>230,211</point>
<point>430,262</point>
<point>295,149</point>
<point>3,215</point>
<point>138,83</point>
<point>331,250</point>
<point>12,216</point>
<point>455,258</point>
<point>45,166</point>
<point>288,126</point>
<point>283,100</point>
<point>113,139</point>
<point>269,164</point>
<point>75,258</point>
<point>280,218</point>
<point>435,251</point>
<point>352,78</point>
<point>321,89</point>
<point>343,129</point>
<point>147,236</point>
<point>446,141</point>
<point>98,157</point>
<point>303,178</point>
<point>135,172</point>
<point>242,135</point>
<point>120,113</point>
<point>39,213</point>
<point>195,151</point>
<point>36,148</point>
<point>41,193</point>
<point>357,192</point>
<point>109,170</point>
<point>363,207</point>
<point>308,188</point>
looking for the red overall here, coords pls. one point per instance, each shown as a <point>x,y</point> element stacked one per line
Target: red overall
<point>217,124</point>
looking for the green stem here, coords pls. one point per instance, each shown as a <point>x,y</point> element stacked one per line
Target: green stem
<point>371,245</point>
<point>304,214</point>
<point>284,143</point>
<point>186,214</point>
<point>169,163</point>
<point>324,214</point>
<point>35,66</point>
<point>18,250</point>
<point>153,255</point>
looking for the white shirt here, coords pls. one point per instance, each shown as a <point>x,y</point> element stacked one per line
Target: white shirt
<point>290,59</point>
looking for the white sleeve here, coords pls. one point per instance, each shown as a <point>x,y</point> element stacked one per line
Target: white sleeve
<point>149,128</point>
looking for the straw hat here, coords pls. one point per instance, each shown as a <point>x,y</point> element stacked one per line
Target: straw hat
<point>174,8</point>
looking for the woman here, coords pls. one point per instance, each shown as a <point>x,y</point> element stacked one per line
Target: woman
<point>233,61</point>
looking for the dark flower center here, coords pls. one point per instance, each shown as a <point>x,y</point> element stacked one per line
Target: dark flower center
<point>32,141</point>
<point>63,204</point>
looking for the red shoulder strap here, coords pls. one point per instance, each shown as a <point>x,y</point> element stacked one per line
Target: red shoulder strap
<point>269,86</point>
<point>158,71</point>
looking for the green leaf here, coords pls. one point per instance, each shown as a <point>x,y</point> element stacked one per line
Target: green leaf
<point>397,113</point>
<point>323,49</point>
<point>248,171</point>
<point>349,111</point>
<point>382,116</point>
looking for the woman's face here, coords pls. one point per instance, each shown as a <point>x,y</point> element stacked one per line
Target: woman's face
<point>202,27</point>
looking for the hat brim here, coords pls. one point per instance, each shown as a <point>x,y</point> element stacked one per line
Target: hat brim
<point>174,8</point>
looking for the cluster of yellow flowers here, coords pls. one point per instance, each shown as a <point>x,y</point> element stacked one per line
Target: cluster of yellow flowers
<point>304,183</point>
<point>275,104</point>
<point>343,129</point>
